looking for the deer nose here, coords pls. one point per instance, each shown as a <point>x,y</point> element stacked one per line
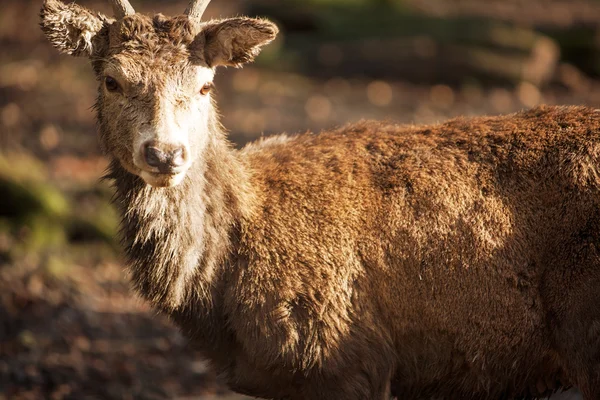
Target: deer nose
<point>166,158</point>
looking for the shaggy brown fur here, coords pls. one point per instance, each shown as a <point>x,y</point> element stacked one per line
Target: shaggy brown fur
<point>456,261</point>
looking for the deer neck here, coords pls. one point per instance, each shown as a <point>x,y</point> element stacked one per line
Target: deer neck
<point>179,239</point>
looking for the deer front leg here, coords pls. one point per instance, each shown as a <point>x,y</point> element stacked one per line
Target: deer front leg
<point>352,385</point>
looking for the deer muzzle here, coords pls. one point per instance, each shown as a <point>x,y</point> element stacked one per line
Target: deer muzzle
<point>162,164</point>
<point>164,158</point>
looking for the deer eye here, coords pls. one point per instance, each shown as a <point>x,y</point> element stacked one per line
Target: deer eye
<point>111,84</point>
<point>206,89</point>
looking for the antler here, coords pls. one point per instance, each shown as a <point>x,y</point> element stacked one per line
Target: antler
<point>196,8</point>
<point>122,8</point>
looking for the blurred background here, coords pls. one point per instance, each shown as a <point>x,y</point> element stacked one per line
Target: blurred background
<point>69,326</point>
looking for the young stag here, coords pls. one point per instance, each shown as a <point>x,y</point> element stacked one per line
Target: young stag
<point>457,261</point>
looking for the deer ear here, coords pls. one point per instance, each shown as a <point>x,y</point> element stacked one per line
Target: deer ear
<point>73,29</point>
<point>233,41</point>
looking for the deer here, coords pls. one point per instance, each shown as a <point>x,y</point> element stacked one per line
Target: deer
<point>458,260</point>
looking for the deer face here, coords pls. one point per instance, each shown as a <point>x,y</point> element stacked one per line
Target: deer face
<point>155,75</point>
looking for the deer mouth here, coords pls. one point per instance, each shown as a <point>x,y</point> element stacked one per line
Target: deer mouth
<point>162,179</point>
<point>161,174</point>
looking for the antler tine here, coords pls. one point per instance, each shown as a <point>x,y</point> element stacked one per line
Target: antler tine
<point>196,8</point>
<point>121,8</point>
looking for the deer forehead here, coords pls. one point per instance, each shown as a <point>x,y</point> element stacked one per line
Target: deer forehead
<point>139,30</point>
<point>144,72</point>
<point>142,48</point>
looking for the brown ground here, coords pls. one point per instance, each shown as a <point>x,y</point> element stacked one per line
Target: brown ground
<point>69,325</point>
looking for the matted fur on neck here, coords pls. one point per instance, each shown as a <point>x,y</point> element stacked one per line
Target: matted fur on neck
<point>177,239</point>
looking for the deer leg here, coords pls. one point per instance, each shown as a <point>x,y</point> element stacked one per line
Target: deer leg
<point>346,395</point>
<point>350,386</point>
<point>591,391</point>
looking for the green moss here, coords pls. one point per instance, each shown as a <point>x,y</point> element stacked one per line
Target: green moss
<point>22,167</point>
<point>57,266</point>
<point>41,217</point>
<point>102,224</point>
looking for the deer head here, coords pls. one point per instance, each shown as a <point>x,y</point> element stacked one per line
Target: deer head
<point>155,75</point>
